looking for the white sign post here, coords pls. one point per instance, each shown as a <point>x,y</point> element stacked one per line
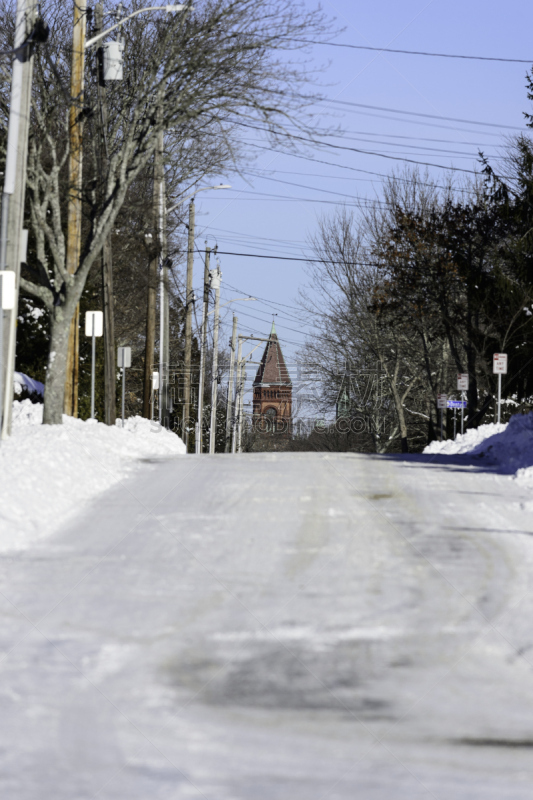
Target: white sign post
<point>499,368</point>
<point>462,386</point>
<point>155,390</point>
<point>124,361</point>
<point>94,326</point>
<point>442,404</point>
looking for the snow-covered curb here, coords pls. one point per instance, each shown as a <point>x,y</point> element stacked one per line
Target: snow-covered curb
<point>49,472</point>
<point>509,446</point>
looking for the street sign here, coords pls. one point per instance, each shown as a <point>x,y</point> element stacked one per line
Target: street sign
<point>124,357</point>
<point>98,318</point>
<point>442,400</point>
<point>456,404</point>
<point>7,276</point>
<point>94,326</point>
<point>123,361</point>
<point>499,364</point>
<point>462,381</point>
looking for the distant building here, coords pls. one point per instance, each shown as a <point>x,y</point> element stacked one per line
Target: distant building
<point>272,403</point>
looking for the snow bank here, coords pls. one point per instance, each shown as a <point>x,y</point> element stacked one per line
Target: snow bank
<point>22,381</point>
<point>49,472</point>
<point>465,443</point>
<point>509,446</point>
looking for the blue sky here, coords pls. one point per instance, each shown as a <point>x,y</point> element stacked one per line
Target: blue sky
<point>263,215</point>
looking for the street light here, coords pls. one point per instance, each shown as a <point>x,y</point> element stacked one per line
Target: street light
<point>189,304</point>
<point>168,8</point>
<point>193,194</point>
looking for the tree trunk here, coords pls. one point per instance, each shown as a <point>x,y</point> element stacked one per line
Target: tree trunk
<point>54,391</point>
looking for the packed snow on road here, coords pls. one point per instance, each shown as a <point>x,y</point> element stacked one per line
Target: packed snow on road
<point>312,626</point>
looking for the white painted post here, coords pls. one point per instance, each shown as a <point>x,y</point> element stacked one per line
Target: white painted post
<point>93,356</point>
<point>94,326</point>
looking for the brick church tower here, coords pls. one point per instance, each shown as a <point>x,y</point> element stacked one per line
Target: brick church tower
<point>272,405</point>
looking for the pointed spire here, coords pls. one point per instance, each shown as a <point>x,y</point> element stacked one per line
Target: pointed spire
<point>273,331</point>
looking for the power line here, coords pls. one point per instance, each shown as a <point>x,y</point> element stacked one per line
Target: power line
<point>415,52</point>
<point>246,294</point>
<point>343,166</point>
<point>425,116</point>
<point>307,260</point>
<point>258,174</point>
<point>319,143</point>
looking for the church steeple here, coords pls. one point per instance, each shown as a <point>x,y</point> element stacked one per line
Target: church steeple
<point>272,369</point>
<point>273,392</point>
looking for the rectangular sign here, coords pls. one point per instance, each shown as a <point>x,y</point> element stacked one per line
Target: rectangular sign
<point>462,381</point>
<point>442,400</point>
<point>98,318</point>
<point>124,357</point>
<point>7,276</point>
<point>499,363</point>
<point>456,403</point>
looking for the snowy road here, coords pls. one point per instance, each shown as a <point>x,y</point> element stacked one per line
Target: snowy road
<point>275,627</point>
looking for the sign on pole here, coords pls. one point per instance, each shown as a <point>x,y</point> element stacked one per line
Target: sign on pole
<point>124,361</point>
<point>499,368</point>
<point>94,326</point>
<point>96,317</point>
<point>124,357</point>
<point>462,382</point>
<point>499,364</point>
<point>7,276</point>
<point>456,404</point>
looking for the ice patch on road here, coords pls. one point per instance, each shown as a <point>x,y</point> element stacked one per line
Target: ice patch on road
<point>50,472</point>
<point>509,446</point>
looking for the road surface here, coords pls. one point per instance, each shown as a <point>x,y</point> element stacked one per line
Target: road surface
<point>275,627</point>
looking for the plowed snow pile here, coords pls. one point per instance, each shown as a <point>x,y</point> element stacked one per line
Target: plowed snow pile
<point>509,446</point>
<point>49,472</point>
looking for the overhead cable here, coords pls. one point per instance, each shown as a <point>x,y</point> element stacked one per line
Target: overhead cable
<point>415,52</point>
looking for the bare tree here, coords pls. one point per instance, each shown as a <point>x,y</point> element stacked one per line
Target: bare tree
<point>200,74</point>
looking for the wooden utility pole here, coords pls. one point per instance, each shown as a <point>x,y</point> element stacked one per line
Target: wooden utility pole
<point>149,351</point>
<point>75,193</point>
<point>203,347</point>
<point>229,406</point>
<point>13,238</point>
<point>189,304</point>
<point>216,276</point>
<point>108,297</point>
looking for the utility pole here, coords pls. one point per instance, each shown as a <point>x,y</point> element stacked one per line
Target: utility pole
<point>164,318</point>
<point>74,193</point>
<point>110,411</point>
<point>12,237</point>
<point>149,357</point>
<point>203,345</point>
<point>236,405</point>
<point>216,276</point>
<point>229,405</point>
<point>241,406</point>
<point>189,302</point>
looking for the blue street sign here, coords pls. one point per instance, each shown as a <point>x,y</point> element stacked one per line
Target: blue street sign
<point>456,403</point>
